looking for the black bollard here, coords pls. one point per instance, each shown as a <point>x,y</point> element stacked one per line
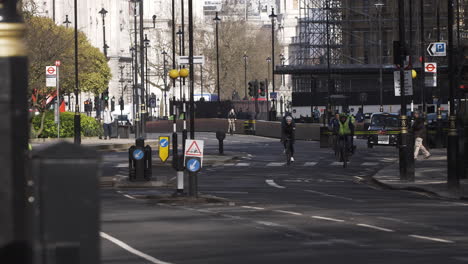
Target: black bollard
<point>221,135</point>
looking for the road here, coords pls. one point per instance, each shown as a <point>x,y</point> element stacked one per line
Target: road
<point>313,211</point>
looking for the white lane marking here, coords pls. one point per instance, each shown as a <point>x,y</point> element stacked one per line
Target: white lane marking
<point>243,164</point>
<point>370,164</point>
<point>338,163</point>
<point>132,250</point>
<point>376,227</point>
<point>327,218</point>
<point>229,192</point>
<point>273,184</point>
<point>276,164</point>
<point>128,196</point>
<point>334,196</point>
<point>229,164</point>
<point>287,212</point>
<point>122,165</point>
<point>432,239</point>
<point>267,223</point>
<point>310,164</point>
<point>252,207</point>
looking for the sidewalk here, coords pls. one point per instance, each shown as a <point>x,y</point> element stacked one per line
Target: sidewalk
<point>430,177</point>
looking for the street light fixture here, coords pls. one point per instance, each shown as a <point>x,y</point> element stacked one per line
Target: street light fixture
<point>217,20</point>
<point>66,22</point>
<point>379,6</point>
<point>245,75</point>
<point>273,17</point>
<point>103,13</point>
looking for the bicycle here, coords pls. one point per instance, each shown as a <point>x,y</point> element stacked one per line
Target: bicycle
<point>287,143</point>
<point>343,151</point>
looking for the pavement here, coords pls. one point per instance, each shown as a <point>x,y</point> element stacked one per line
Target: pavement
<point>430,177</point>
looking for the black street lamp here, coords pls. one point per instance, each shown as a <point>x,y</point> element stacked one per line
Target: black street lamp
<point>245,75</point>
<point>134,109</point>
<point>379,5</point>
<point>180,34</point>
<point>217,20</point>
<point>273,17</point>
<point>268,59</point>
<point>77,119</point>
<point>147,45</point>
<point>164,53</point>
<point>66,22</point>
<point>103,13</point>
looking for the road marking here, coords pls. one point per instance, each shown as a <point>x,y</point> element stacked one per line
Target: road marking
<point>128,196</point>
<point>229,164</point>
<point>375,227</point>
<point>334,196</point>
<point>327,218</point>
<point>267,223</point>
<point>252,207</point>
<point>432,239</point>
<point>310,164</point>
<point>243,164</point>
<point>287,212</point>
<point>370,164</point>
<point>229,192</point>
<point>273,184</point>
<point>338,163</point>
<point>132,250</point>
<point>122,165</point>
<point>276,164</point>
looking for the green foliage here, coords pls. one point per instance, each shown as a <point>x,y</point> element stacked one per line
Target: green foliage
<point>89,126</point>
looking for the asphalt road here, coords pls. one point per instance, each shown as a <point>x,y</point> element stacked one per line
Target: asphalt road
<point>313,211</point>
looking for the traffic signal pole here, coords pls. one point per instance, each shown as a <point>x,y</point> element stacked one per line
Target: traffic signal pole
<point>15,218</point>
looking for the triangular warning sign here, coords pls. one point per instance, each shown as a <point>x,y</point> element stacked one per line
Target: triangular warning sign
<point>193,150</point>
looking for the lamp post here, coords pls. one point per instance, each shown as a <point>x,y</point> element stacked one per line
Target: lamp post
<point>132,51</point>
<point>273,17</point>
<point>147,45</point>
<point>379,5</point>
<point>103,13</point>
<point>328,106</point>
<point>179,34</point>
<point>268,60</point>
<point>216,20</point>
<point>142,70</point>
<point>77,118</point>
<point>245,75</point>
<point>164,53</point>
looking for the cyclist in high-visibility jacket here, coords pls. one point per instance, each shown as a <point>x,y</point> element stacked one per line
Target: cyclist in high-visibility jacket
<point>346,129</point>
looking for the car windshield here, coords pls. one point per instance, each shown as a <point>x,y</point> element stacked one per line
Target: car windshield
<point>384,121</point>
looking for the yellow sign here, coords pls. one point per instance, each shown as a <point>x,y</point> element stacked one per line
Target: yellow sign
<point>163,148</point>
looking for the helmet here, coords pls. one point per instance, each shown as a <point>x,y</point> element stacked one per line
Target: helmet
<point>288,118</point>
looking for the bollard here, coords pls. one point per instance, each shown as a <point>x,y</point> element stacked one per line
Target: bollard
<point>221,135</point>
<point>137,161</point>
<point>66,204</point>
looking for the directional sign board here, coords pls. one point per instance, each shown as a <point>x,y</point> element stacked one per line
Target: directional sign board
<point>51,76</point>
<point>430,80</point>
<point>437,49</point>
<point>273,95</point>
<point>163,148</point>
<point>430,67</point>
<point>408,83</point>
<point>138,154</point>
<point>184,60</point>
<point>193,164</point>
<point>194,150</point>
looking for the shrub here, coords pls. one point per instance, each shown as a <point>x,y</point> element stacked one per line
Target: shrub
<point>90,127</point>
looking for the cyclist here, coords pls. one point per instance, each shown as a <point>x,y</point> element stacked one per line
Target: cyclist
<point>232,121</point>
<point>288,134</point>
<point>346,129</point>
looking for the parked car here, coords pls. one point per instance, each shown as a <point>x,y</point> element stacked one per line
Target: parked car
<point>384,130</point>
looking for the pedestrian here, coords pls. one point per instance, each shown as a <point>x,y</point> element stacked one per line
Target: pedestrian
<point>419,130</point>
<point>316,115</point>
<point>107,118</point>
<point>232,121</point>
<point>288,134</point>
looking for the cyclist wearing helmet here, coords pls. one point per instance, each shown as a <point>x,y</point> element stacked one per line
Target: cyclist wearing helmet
<point>288,132</point>
<point>346,129</point>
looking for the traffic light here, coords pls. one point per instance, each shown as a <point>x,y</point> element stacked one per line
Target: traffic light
<point>121,103</point>
<point>262,89</point>
<point>251,88</point>
<point>106,95</point>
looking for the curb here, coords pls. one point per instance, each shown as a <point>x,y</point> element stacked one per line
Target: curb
<point>412,188</point>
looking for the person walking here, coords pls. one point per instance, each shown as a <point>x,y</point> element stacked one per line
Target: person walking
<point>232,121</point>
<point>107,118</point>
<point>419,130</point>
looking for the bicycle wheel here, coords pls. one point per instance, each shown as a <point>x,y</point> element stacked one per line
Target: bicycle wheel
<point>344,155</point>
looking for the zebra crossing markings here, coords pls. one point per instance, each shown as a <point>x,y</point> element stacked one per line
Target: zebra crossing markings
<point>276,164</point>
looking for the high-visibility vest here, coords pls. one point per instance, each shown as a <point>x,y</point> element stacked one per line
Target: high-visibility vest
<point>344,128</point>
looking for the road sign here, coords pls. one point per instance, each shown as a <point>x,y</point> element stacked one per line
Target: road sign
<point>437,49</point>
<point>430,80</point>
<point>57,63</point>
<point>163,148</point>
<point>51,76</point>
<point>195,149</point>
<point>408,83</point>
<point>138,154</point>
<point>274,95</point>
<point>430,67</point>
<point>184,60</point>
<point>193,165</point>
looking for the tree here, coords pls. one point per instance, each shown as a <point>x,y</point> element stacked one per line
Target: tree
<point>48,42</point>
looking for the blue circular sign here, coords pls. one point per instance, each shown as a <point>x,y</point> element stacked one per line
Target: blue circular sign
<point>138,154</point>
<point>193,165</point>
<point>163,142</point>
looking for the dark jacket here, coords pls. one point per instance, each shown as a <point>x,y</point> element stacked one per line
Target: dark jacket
<point>419,129</point>
<point>288,132</point>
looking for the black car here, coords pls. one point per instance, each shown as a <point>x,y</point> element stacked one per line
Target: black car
<point>383,130</point>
